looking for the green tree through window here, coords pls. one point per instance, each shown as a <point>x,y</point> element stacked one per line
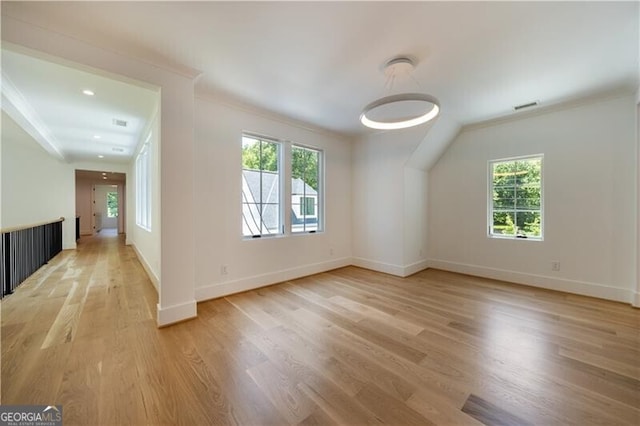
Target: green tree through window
<point>516,197</point>
<point>112,204</point>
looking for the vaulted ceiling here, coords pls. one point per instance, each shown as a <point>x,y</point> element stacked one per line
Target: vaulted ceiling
<point>320,62</point>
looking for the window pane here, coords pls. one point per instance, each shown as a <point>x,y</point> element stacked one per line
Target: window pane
<point>143,189</point>
<point>305,189</point>
<point>270,219</point>
<point>516,197</point>
<point>504,223</point>
<point>112,204</point>
<point>261,182</point>
<point>529,223</point>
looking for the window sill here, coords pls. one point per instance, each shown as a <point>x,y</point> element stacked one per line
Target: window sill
<point>306,233</point>
<point>509,237</point>
<point>278,236</point>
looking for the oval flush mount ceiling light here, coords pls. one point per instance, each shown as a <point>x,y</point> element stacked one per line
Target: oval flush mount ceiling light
<point>402,110</point>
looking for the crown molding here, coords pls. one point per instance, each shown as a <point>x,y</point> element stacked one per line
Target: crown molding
<point>20,110</point>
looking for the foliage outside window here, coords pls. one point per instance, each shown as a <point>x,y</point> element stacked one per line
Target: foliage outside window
<point>516,198</point>
<point>112,204</point>
<point>261,187</point>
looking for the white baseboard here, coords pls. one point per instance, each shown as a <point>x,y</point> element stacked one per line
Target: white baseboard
<point>374,265</point>
<point>244,284</point>
<point>560,284</point>
<point>635,302</point>
<point>416,267</point>
<point>176,313</point>
<point>145,265</point>
<point>389,268</point>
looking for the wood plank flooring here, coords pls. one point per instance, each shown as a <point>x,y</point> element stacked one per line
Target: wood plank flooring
<point>349,346</point>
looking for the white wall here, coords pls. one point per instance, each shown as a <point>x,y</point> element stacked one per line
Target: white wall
<point>218,218</point>
<point>415,220</point>
<point>35,186</point>
<point>147,242</point>
<point>381,185</point>
<point>636,300</point>
<point>589,198</point>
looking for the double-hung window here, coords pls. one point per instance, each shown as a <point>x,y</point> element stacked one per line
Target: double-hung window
<point>305,189</point>
<point>269,207</point>
<point>261,186</point>
<point>143,187</point>
<point>515,198</point>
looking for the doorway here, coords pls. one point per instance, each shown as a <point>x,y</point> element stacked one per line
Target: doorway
<point>105,207</point>
<point>100,202</point>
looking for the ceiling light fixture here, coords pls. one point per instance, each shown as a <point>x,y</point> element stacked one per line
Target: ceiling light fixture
<point>100,156</point>
<point>402,110</point>
<point>88,92</point>
<point>97,136</point>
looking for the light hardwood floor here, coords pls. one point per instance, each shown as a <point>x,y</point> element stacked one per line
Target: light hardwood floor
<point>345,347</point>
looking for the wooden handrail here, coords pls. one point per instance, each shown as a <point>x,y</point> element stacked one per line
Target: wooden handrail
<point>33,225</point>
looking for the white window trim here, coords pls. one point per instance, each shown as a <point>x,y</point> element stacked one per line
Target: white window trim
<point>490,198</point>
<point>281,186</point>
<point>285,188</point>
<point>321,191</point>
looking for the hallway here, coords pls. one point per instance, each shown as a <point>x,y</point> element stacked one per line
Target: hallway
<point>65,327</point>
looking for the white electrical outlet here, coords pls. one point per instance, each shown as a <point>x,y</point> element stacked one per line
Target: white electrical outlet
<point>555,266</point>
<point>223,270</point>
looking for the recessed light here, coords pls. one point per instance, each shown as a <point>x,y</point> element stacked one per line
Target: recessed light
<point>97,136</point>
<point>100,156</point>
<point>88,92</point>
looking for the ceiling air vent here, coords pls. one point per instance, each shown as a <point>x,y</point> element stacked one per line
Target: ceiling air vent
<point>523,106</point>
<point>121,123</point>
<point>116,149</point>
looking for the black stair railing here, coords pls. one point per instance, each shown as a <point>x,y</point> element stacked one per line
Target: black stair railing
<point>23,250</point>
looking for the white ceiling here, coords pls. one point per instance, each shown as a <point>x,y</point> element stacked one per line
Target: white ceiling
<point>320,62</point>
<point>48,98</point>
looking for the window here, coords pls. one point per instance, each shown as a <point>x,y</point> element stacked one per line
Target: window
<point>112,204</point>
<point>515,198</point>
<point>143,187</point>
<point>261,187</point>
<point>266,165</point>
<point>305,189</point>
